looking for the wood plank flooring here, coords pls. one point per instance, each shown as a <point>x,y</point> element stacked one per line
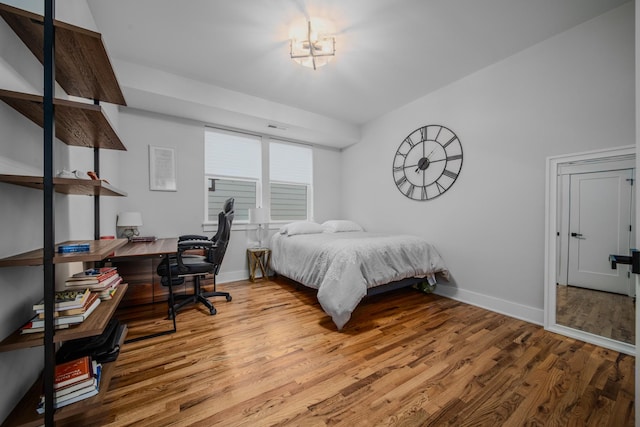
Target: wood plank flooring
<point>271,357</point>
<point>601,313</point>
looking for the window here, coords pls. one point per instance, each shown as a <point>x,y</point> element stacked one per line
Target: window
<point>233,168</point>
<point>291,170</point>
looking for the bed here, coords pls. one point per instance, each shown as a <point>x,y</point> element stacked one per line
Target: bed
<point>345,263</point>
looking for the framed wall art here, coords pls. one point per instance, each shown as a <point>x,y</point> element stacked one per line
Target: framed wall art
<point>162,169</point>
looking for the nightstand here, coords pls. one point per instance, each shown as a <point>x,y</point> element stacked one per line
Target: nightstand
<point>258,257</point>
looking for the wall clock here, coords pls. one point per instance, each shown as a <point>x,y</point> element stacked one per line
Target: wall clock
<point>427,162</point>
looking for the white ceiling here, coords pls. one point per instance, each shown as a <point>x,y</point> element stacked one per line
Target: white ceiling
<point>389,52</point>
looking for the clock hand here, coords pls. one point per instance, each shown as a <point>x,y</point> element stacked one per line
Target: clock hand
<point>422,164</point>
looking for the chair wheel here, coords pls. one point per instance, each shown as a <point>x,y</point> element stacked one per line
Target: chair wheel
<point>228,298</point>
<point>213,311</point>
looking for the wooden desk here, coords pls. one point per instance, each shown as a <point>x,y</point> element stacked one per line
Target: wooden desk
<point>137,264</point>
<point>159,248</point>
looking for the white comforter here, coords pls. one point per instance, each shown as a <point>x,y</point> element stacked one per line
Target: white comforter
<point>343,265</point>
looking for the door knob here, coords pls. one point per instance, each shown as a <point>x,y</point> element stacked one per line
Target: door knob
<point>578,235</point>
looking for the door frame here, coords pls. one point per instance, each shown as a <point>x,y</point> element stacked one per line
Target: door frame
<point>552,244</point>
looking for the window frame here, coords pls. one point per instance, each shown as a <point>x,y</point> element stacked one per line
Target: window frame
<point>263,184</point>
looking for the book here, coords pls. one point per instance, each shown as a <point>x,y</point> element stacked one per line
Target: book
<point>81,394</point>
<point>71,298</point>
<point>95,272</point>
<point>142,239</point>
<point>75,247</point>
<point>99,286</point>
<point>92,276</point>
<point>72,311</point>
<point>36,322</point>
<point>31,330</point>
<point>75,389</point>
<point>72,372</point>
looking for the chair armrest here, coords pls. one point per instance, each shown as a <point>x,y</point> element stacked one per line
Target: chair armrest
<point>192,237</point>
<point>195,244</point>
<point>189,245</point>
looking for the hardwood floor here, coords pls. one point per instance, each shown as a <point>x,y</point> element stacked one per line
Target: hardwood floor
<point>271,357</point>
<point>602,313</point>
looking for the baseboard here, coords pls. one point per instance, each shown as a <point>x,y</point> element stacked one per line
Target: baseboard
<point>508,308</point>
<point>232,276</point>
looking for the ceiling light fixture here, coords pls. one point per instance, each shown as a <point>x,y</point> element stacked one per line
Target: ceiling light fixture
<point>313,51</point>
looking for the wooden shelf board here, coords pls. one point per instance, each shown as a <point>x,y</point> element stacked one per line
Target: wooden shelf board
<point>77,123</point>
<point>84,187</point>
<point>99,250</point>
<point>25,415</point>
<point>82,64</point>
<point>93,325</point>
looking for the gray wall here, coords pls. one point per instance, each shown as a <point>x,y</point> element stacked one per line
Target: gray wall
<point>169,214</point>
<point>571,93</point>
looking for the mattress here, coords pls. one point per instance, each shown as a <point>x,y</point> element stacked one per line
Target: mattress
<point>342,266</point>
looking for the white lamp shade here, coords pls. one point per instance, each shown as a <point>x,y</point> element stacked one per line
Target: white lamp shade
<point>258,216</point>
<point>129,219</point>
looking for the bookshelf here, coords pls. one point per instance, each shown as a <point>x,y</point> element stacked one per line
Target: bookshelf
<point>77,123</point>
<point>24,415</point>
<point>84,187</point>
<point>82,66</point>
<point>79,61</point>
<point>93,325</point>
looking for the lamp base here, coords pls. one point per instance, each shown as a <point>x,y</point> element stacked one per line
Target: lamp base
<point>260,235</point>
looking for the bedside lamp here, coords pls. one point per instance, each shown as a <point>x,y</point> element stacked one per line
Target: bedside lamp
<point>130,221</point>
<point>258,216</point>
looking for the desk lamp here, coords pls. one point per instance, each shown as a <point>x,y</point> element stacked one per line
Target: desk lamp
<point>129,221</point>
<point>258,216</point>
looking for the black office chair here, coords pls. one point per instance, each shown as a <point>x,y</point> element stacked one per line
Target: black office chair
<point>186,264</point>
<point>227,208</point>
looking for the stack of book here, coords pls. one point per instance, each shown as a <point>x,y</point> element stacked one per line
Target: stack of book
<point>102,281</point>
<point>71,307</point>
<point>74,381</point>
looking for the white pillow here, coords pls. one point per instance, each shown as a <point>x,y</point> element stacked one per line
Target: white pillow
<point>339,225</point>
<point>301,227</point>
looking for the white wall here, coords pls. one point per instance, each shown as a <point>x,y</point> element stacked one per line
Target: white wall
<point>170,214</point>
<point>571,93</point>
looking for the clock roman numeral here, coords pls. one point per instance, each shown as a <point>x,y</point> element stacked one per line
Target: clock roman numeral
<point>398,169</point>
<point>455,157</point>
<point>423,133</point>
<point>450,174</point>
<point>423,194</point>
<point>409,192</point>
<point>401,181</point>
<point>409,141</point>
<point>441,189</point>
<point>438,134</point>
<point>449,141</point>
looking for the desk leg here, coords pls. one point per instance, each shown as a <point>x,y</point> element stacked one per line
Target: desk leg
<point>173,317</point>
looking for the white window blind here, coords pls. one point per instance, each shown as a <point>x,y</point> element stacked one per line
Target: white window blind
<point>290,163</point>
<point>232,155</point>
<point>233,168</point>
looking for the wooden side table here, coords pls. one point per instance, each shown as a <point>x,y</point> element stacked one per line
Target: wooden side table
<point>258,257</point>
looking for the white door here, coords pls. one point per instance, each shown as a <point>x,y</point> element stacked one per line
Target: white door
<point>600,224</point>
